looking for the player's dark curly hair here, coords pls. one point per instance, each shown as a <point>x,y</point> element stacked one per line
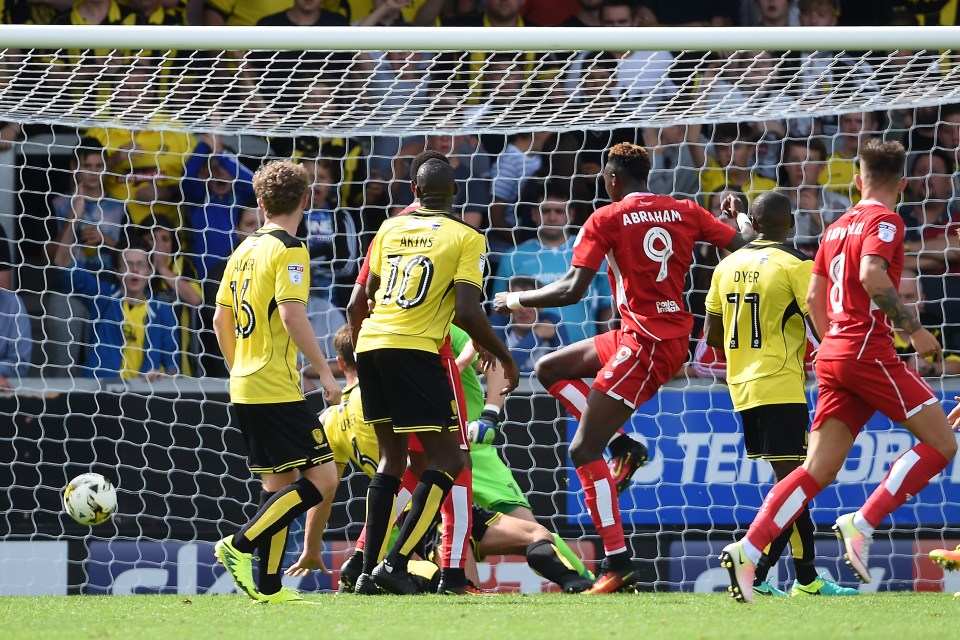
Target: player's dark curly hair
<point>421,158</point>
<point>630,159</point>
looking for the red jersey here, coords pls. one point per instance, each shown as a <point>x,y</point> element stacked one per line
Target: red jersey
<point>648,242</point>
<point>858,330</point>
<point>446,351</point>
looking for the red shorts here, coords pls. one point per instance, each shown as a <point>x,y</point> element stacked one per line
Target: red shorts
<point>636,367</point>
<point>453,377</point>
<point>853,390</point>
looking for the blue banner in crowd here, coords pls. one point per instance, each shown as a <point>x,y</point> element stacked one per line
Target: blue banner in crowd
<point>699,475</point>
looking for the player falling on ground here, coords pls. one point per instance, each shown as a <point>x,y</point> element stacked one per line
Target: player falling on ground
<point>853,303</point>
<point>492,533</point>
<point>260,321</point>
<point>756,312</point>
<point>455,510</point>
<point>431,266</point>
<point>648,242</point>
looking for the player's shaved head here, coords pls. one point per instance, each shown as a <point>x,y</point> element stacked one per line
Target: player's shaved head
<point>772,214</point>
<point>436,179</point>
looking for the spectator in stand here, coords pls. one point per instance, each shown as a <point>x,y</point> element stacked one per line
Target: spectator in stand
<point>731,163</point>
<point>815,208</point>
<point>929,216</point>
<point>16,338</point>
<point>547,257</point>
<point>676,157</point>
<point>529,333</point>
<point>587,15</point>
<point>333,245</point>
<point>641,76</point>
<point>29,12</point>
<point>692,13</point>
<point>218,13</point>
<point>390,13</point>
<point>777,13</point>
<point>248,220</point>
<point>216,186</point>
<point>87,224</point>
<point>470,170</point>
<point>133,333</point>
<point>519,162</point>
<point>855,129</point>
<point>550,13</point>
<point>911,292</point>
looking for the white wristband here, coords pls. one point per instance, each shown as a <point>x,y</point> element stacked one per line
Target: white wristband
<point>513,300</point>
<point>743,221</point>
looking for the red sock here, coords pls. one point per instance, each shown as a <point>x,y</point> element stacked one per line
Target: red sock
<point>783,504</point>
<point>602,505</point>
<point>909,474</point>
<point>572,394</point>
<point>362,540</point>
<point>408,482</point>
<point>457,514</point>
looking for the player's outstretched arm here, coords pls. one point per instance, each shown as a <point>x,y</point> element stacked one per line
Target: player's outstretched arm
<point>470,317</point>
<point>311,559</point>
<point>876,282</point>
<point>293,315</point>
<point>566,291</point>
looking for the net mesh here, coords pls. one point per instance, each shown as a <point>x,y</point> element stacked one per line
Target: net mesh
<point>161,146</point>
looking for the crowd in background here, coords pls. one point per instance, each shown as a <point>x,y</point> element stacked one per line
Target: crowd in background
<point>142,230</point>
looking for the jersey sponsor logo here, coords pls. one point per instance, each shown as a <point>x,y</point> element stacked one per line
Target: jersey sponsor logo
<point>637,217</point>
<point>667,306</point>
<point>886,231</point>
<point>295,271</point>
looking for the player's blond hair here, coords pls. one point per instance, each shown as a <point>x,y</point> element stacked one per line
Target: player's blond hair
<point>280,186</point>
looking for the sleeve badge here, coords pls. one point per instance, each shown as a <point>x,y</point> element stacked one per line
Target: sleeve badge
<point>887,231</point>
<point>295,271</point>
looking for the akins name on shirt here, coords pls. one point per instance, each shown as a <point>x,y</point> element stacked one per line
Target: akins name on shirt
<point>416,242</point>
<point>637,217</point>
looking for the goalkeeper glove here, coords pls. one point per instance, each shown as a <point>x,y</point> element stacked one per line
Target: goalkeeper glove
<point>484,429</point>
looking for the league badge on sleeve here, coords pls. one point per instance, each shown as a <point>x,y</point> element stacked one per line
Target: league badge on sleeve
<point>887,231</point>
<point>295,271</point>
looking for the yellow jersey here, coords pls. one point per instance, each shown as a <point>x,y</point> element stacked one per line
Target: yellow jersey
<point>134,338</point>
<point>268,268</point>
<point>419,257</point>
<point>760,292</point>
<point>350,438</point>
<point>838,176</point>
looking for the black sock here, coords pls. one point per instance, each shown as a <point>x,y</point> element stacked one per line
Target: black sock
<point>543,557</point>
<point>619,561</point>
<point>381,494</point>
<point>453,577</point>
<point>277,514</point>
<point>429,494</point>
<point>772,555</point>
<point>262,578</point>
<point>802,546</point>
<point>270,566</point>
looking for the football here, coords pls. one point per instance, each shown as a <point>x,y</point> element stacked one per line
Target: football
<point>90,499</point>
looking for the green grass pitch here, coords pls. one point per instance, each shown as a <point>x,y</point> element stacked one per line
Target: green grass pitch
<point>899,616</point>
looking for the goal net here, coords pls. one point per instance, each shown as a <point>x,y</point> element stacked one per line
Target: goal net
<point>149,137</point>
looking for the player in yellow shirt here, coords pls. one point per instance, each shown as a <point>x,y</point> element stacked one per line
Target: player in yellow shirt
<point>756,313</point>
<point>425,267</point>
<point>493,533</point>
<point>260,322</point>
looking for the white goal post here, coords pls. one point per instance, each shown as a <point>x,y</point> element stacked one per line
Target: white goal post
<point>175,113</point>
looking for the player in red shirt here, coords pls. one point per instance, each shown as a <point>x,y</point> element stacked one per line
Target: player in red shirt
<point>457,506</point>
<point>648,242</point>
<point>854,305</point>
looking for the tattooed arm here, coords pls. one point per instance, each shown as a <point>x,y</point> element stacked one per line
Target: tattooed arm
<point>877,284</point>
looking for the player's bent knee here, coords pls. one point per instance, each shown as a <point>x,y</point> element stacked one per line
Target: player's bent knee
<point>582,452</point>
<point>547,371</point>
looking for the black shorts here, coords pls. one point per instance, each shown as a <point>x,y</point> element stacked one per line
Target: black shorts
<point>776,432</point>
<point>481,521</point>
<point>407,388</point>
<point>282,436</point>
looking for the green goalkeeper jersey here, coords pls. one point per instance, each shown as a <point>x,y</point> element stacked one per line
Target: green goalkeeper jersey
<point>472,391</point>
